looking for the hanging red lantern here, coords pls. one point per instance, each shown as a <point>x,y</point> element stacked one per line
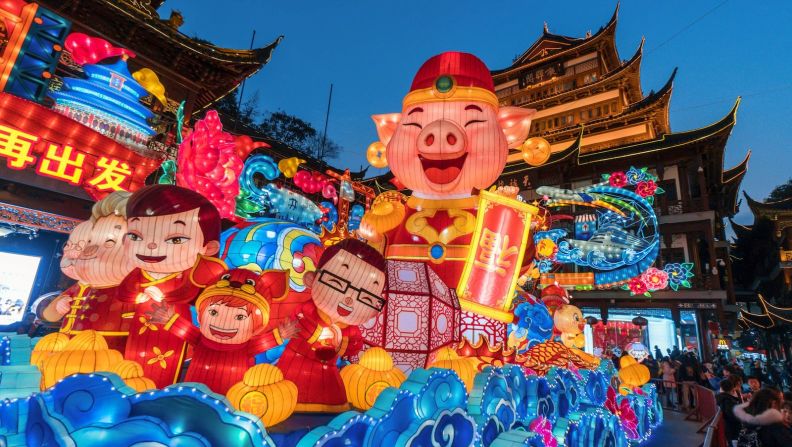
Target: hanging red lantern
<point>422,315</point>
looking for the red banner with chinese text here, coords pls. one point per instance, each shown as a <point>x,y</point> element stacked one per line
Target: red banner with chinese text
<point>37,138</point>
<point>502,234</point>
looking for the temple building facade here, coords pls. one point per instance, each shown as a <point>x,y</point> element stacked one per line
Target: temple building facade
<point>593,113</point>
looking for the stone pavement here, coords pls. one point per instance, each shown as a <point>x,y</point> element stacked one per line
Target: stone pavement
<point>676,432</point>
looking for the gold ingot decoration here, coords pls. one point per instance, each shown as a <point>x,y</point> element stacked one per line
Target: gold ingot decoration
<point>264,392</point>
<point>149,80</point>
<point>87,352</point>
<point>465,367</point>
<point>385,214</point>
<point>131,373</point>
<point>365,380</point>
<point>536,151</point>
<point>288,166</point>
<point>375,154</point>
<point>632,374</point>
<point>48,345</point>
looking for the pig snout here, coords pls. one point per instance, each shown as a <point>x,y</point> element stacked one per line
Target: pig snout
<point>442,137</point>
<point>89,251</point>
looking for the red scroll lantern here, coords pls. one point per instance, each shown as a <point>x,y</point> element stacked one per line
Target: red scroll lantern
<point>421,316</point>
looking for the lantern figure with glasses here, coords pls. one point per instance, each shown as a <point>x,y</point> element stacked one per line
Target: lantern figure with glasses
<point>346,291</point>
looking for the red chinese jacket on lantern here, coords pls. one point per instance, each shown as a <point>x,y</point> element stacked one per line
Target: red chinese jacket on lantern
<point>346,291</point>
<point>232,315</point>
<point>95,257</point>
<point>172,232</point>
<point>450,141</point>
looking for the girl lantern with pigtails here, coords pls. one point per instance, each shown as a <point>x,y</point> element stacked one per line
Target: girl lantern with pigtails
<point>172,233</point>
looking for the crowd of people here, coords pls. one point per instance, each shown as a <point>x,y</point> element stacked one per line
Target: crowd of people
<point>755,410</point>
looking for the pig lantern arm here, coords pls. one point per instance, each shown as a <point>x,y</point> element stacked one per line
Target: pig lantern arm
<point>514,121</point>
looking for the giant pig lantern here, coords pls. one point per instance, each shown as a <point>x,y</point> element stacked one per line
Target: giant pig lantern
<point>450,141</point>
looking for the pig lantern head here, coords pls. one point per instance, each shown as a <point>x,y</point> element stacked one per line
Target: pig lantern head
<point>451,138</point>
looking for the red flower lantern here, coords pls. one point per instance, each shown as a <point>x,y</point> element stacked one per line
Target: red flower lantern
<point>618,179</point>
<point>646,188</point>
<point>422,315</point>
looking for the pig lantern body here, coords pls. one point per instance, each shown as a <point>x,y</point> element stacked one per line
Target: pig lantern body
<point>450,140</point>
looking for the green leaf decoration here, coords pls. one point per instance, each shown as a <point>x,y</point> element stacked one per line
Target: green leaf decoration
<point>685,284</point>
<point>674,286</point>
<point>606,176</point>
<point>688,266</point>
<point>659,190</point>
<point>647,294</point>
<point>625,287</point>
<point>179,122</point>
<point>650,199</point>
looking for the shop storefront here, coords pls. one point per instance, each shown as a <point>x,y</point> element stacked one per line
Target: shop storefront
<point>619,330</point>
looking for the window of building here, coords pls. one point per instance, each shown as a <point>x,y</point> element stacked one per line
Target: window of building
<point>673,255</point>
<point>670,188</point>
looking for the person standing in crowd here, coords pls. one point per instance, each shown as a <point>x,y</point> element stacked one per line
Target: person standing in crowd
<point>668,368</point>
<point>658,353</point>
<point>651,364</point>
<point>763,420</point>
<point>727,399</point>
<point>754,383</point>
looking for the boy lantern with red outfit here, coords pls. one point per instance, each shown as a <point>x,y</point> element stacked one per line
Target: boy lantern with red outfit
<point>232,315</point>
<point>171,232</point>
<point>346,291</point>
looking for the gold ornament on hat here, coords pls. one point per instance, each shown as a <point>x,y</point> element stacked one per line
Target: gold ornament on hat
<point>536,151</point>
<point>375,154</point>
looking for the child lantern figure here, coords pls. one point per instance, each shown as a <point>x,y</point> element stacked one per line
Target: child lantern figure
<point>232,315</point>
<point>346,291</point>
<point>171,234</point>
<point>95,257</point>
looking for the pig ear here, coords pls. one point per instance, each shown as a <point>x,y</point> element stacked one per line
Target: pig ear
<point>386,125</point>
<point>516,123</point>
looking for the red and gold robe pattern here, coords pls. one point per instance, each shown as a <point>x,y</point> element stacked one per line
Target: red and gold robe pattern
<point>158,350</point>
<point>311,363</point>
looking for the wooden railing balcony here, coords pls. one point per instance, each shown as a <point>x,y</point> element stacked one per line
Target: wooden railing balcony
<point>675,207</point>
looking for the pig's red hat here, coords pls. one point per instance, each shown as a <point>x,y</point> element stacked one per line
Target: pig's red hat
<point>554,296</point>
<point>452,76</point>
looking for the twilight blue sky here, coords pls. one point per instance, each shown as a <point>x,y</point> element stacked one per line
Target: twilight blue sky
<point>370,51</point>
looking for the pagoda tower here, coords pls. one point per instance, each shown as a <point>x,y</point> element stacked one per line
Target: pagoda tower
<point>107,101</point>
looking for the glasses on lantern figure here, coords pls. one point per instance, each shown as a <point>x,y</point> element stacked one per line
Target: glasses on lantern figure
<point>348,290</point>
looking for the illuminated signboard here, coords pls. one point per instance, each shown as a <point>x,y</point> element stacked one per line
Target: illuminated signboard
<point>33,137</point>
<point>62,163</point>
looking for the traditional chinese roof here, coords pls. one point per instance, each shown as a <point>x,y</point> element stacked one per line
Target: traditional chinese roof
<point>628,73</point>
<point>731,179</point>
<point>740,230</point>
<point>190,67</point>
<point>773,315</point>
<point>553,46</point>
<point>768,208</point>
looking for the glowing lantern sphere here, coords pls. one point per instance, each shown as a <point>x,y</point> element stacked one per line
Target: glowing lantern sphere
<point>375,154</point>
<point>131,373</point>
<point>87,352</point>
<point>536,151</point>
<point>421,315</point>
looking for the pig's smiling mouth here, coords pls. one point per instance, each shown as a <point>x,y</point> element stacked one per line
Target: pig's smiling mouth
<point>442,170</point>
